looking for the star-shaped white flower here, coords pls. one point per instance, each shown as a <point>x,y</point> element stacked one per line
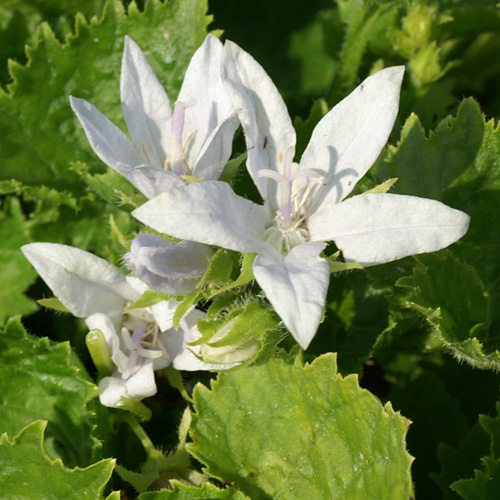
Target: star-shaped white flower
<point>305,204</point>
<point>195,139</point>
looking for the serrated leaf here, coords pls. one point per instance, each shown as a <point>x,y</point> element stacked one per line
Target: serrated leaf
<point>458,463</point>
<point>17,274</point>
<point>86,65</point>
<point>484,486</point>
<point>41,379</point>
<point>486,483</point>
<point>458,315</point>
<point>45,478</point>
<point>345,443</point>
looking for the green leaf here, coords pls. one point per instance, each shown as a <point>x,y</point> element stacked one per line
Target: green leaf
<point>147,299</point>
<point>458,315</point>
<point>345,443</point>
<point>486,483</point>
<point>87,65</point>
<point>307,46</point>
<point>246,274</point>
<point>41,379</point>
<point>458,463</point>
<point>459,165</point>
<point>365,21</point>
<point>429,166</point>
<point>183,492</point>
<point>53,303</point>
<point>17,273</point>
<point>304,128</point>
<point>46,478</point>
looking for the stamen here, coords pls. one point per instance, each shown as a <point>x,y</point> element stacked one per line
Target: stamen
<point>133,344</point>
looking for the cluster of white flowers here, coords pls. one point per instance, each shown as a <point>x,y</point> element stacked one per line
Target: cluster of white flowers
<point>305,206</point>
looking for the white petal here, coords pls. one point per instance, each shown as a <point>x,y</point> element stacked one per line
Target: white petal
<point>145,105</point>
<point>376,228</point>
<point>208,212</point>
<point>348,140</point>
<point>207,109</point>
<point>110,144</point>
<point>216,151</point>
<point>83,282</point>
<point>268,128</point>
<point>296,286</point>
<point>173,268</point>
<point>138,386</point>
<point>163,313</point>
<point>149,180</point>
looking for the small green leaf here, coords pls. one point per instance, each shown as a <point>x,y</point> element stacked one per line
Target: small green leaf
<point>246,275</point>
<point>220,267</point>
<point>53,303</point>
<point>345,443</point>
<point>46,478</point>
<point>147,299</point>
<point>384,187</point>
<point>337,266</point>
<point>232,167</point>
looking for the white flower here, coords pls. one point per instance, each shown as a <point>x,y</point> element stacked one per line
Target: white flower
<point>305,203</point>
<point>173,268</point>
<point>147,342</point>
<point>139,341</point>
<point>194,140</point>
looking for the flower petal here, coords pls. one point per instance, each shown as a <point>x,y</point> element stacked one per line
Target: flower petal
<point>207,109</point>
<point>296,286</point>
<point>149,180</point>
<point>145,105</point>
<point>173,268</point>
<point>138,386</point>
<point>84,283</point>
<point>376,228</point>
<point>216,151</point>
<point>110,144</point>
<point>269,132</point>
<point>208,212</point>
<point>348,140</point>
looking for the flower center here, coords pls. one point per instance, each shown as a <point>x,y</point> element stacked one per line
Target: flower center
<point>289,229</point>
<point>144,342</point>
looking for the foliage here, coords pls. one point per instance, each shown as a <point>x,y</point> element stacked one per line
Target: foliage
<point>416,341</point>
